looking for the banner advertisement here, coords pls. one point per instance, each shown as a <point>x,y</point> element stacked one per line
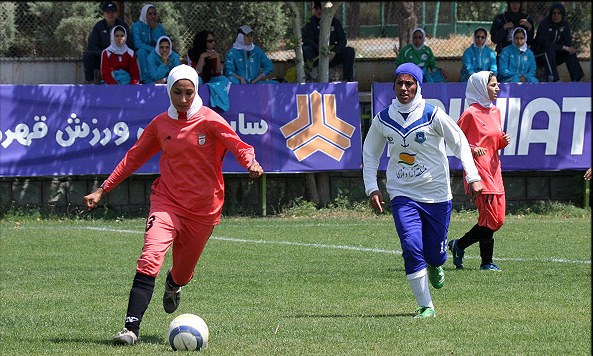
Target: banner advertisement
<point>48,130</point>
<point>549,123</point>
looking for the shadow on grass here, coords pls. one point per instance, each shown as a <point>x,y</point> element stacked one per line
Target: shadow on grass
<point>145,339</point>
<point>392,315</point>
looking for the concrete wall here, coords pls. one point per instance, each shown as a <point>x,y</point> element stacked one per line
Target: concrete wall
<point>63,195</point>
<point>70,71</point>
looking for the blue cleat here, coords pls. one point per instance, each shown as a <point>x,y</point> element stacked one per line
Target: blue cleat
<point>490,267</point>
<point>457,254</point>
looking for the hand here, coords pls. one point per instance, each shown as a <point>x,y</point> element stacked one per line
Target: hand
<point>255,170</point>
<point>92,200</point>
<point>508,25</point>
<point>525,23</point>
<point>257,79</point>
<point>376,201</point>
<point>506,138</point>
<point>570,50</point>
<point>480,151</point>
<point>331,56</point>
<point>588,174</point>
<point>242,80</point>
<point>165,58</point>
<point>475,189</point>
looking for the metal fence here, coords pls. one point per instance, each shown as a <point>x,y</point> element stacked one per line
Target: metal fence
<point>60,29</point>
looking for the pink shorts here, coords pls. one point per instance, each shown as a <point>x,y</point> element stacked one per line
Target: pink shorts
<point>188,238</point>
<point>491,210</point>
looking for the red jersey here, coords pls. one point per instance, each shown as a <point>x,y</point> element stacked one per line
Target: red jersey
<point>191,182</point>
<point>127,61</point>
<point>482,128</point>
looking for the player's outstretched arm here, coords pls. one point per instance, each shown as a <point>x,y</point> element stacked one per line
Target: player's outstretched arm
<point>92,200</point>
<point>255,170</point>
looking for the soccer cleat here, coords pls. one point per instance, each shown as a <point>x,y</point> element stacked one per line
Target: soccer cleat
<point>125,337</point>
<point>171,298</point>
<point>425,312</point>
<point>436,276</point>
<point>490,267</point>
<point>457,254</point>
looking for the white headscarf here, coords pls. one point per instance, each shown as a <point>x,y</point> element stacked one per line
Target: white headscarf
<point>114,47</point>
<point>183,71</point>
<point>477,89</point>
<point>240,43</point>
<point>144,11</point>
<point>423,37</point>
<point>409,107</point>
<point>485,41</point>
<point>524,47</point>
<point>158,42</point>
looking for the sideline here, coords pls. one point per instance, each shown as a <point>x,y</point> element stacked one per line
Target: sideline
<point>335,247</point>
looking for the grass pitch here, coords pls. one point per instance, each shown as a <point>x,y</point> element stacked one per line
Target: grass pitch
<point>325,285</point>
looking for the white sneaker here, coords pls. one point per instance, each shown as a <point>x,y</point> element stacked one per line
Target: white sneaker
<point>125,337</point>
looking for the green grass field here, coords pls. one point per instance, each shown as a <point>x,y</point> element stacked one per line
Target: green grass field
<point>331,284</point>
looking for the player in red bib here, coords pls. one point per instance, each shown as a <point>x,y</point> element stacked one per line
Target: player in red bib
<point>186,200</point>
<point>482,126</point>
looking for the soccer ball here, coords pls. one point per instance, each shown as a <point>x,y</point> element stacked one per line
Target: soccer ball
<point>188,332</point>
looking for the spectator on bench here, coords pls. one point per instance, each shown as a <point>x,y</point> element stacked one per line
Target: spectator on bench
<point>517,62</point>
<point>339,53</point>
<point>100,38</point>
<point>119,64</point>
<point>161,61</point>
<point>146,31</point>
<point>478,57</point>
<point>246,63</point>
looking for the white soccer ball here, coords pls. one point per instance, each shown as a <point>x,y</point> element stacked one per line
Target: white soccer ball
<point>188,332</point>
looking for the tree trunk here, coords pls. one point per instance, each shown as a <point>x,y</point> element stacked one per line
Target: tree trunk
<point>407,25</point>
<point>298,40</point>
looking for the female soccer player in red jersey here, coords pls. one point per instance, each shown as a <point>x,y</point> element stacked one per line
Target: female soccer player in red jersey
<point>186,200</point>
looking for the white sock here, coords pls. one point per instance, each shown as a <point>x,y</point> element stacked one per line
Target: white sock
<point>419,283</point>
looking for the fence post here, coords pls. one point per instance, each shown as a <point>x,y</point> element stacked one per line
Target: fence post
<point>435,22</point>
<point>264,202</point>
<point>586,192</point>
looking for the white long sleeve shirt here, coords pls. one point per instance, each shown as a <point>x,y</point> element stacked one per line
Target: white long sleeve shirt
<point>418,167</point>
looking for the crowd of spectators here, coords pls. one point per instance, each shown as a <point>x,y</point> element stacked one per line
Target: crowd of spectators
<point>147,55</point>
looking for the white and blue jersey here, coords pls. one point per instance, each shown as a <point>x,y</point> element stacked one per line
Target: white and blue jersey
<point>418,167</point>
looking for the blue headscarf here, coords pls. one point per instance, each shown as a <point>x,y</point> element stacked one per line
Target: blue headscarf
<point>411,69</point>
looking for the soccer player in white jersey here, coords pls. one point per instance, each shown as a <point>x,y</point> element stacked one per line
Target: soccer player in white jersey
<point>418,180</point>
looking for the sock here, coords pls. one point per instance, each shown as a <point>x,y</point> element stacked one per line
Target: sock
<point>470,237</point>
<point>170,283</point>
<point>140,296</point>
<point>486,245</point>
<point>419,284</point>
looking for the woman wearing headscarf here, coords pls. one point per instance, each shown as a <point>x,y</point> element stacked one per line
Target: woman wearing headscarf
<point>418,182</point>
<point>187,198</point>
<point>420,54</point>
<point>554,45</point>
<point>119,64</point>
<point>146,31</point>
<point>501,31</point>
<point>161,61</point>
<point>517,62</point>
<point>246,63</point>
<point>481,124</point>
<point>478,56</point>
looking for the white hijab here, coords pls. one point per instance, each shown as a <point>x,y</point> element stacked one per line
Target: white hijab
<point>183,71</point>
<point>477,89</point>
<point>114,47</point>
<point>240,43</point>
<point>144,11</point>
<point>409,107</point>
<point>423,37</point>
<point>524,47</point>
<point>156,48</point>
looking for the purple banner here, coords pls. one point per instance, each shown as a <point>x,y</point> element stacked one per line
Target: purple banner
<point>86,129</point>
<point>549,123</point>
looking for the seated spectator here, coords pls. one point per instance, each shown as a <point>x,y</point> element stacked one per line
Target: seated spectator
<point>208,63</point>
<point>339,53</point>
<point>503,26</point>
<point>119,64</point>
<point>517,62</point>
<point>161,61</point>
<point>478,57</point>
<point>146,31</point>
<point>553,45</point>
<point>246,63</point>
<point>204,58</point>
<point>99,39</point>
<point>421,55</point>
